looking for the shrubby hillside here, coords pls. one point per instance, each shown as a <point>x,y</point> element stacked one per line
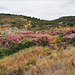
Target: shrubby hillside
<point>30,23</point>
<point>38,47</point>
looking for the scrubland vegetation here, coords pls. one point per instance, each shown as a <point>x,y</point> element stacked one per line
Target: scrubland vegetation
<point>40,51</point>
<point>34,24</point>
<point>11,43</point>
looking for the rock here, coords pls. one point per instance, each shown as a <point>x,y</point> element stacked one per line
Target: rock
<point>73,62</point>
<point>38,32</point>
<point>12,30</point>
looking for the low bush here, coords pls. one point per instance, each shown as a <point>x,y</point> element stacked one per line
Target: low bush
<point>25,44</point>
<point>5,51</point>
<point>41,41</point>
<point>72,41</point>
<point>57,40</point>
<point>61,35</point>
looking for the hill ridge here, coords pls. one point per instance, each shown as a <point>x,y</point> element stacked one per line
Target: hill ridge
<point>31,23</point>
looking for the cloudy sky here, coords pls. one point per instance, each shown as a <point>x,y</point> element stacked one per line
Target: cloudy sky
<point>44,9</point>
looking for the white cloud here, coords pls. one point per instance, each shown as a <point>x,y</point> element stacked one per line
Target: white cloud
<point>44,9</point>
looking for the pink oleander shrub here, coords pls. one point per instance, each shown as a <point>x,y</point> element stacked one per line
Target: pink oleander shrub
<point>47,32</point>
<point>67,32</point>
<point>11,40</point>
<point>41,41</point>
<point>66,36</point>
<point>4,51</point>
<point>27,32</point>
<point>11,43</point>
<point>58,32</point>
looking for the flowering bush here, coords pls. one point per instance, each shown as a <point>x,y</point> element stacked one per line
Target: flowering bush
<point>11,40</point>
<point>9,49</point>
<point>59,32</point>
<point>65,36</point>
<point>47,32</point>
<point>41,41</point>
<point>27,32</point>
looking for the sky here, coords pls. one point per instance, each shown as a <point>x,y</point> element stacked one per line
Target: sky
<point>43,9</point>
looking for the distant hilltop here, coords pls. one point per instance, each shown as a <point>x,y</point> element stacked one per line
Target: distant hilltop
<point>11,23</point>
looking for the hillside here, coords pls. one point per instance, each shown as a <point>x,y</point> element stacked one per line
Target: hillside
<point>30,46</point>
<point>34,24</point>
<point>39,61</point>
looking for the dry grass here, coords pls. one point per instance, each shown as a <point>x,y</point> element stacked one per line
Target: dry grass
<point>39,61</point>
<point>65,28</point>
<point>59,64</point>
<point>23,57</point>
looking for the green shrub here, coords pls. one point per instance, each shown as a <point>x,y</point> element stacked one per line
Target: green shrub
<point>38,29</point>
<point>23,44</point>
<point>26,44</point>
<point>72,41</point>
<point>4,51</point>
<point>1,23</point>
<point>29,28</point>
<point>59,38</point>
<point>19,25</point>
<point>13,22</point>
<point>61,35</point>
